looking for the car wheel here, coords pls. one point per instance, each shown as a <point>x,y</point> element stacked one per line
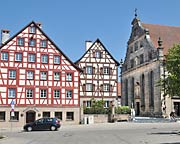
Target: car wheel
<point>53,128</point>
<point>29,128</point>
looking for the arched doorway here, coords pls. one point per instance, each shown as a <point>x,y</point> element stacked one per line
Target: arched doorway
<point>30,116</point>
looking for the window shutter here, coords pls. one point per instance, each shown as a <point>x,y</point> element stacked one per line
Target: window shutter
<point>93,70</point>
<point>101,70</point>
<point>84,70</point>
<point>111,71</point>
<point>111,88</point>
<point>93,87</point>
<point>84,87</point>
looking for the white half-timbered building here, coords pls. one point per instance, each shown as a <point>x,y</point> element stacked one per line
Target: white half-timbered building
<point>38,77</point>
<point>99,80</point>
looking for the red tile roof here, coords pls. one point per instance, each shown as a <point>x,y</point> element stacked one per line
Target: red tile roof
<point>170,35</point>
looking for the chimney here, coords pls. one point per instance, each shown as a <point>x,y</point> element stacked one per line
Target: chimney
<point>5,36</point>
<point>88,44</point>
<point>39,24</point>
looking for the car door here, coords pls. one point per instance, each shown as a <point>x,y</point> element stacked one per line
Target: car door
<point>48,123</point>
<point>39,124</point>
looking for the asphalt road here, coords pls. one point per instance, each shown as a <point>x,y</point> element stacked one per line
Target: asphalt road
<point>106,133</point>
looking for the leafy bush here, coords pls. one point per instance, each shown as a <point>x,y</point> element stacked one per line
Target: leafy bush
<point>97,108</point>
<point>123,110</point>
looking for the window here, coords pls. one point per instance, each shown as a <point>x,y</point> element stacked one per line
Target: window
<point>12,74</point>
<point>15,117</point>
<point>30,75</point>
<point>46,114</point>
<point>70,116</point>
<point>43,75</point>
<point>106,87</point>
<point>136,46</point>
<point>11,93</point>
<point>56,76</point>
<point>44,59</point>
<point>69,77</point>
<point>2,115</point>
<point>106,104</point>
<point>141,58</point>
<point>98,54</point>
<point>43,43</point>
<point>43,93</point>
<point>56,93</point>
<point>32,29</point>
<point>56,59</point>
<point>32,42</point>
<point>89,70</point>
<point>88,87</point>
<point>31,57</point>
<point>20,42</point>
<point>29,93</point>
<point>69,94</point>
<point>106,70</point>
<point>4,56</point>
<point>88,104</point>
<point>18,57</point>
<point>58,115</point>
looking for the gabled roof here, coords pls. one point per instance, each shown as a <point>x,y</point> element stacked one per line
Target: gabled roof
<point>37,27</point>
<point>98,41</point>
<point>170,35</point>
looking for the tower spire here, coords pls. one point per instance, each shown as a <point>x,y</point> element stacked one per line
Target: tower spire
<point>135,11</point>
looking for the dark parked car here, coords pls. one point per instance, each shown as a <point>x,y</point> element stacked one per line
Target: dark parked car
<point>43,124</point>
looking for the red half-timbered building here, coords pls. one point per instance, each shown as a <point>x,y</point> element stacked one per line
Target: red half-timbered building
<point>38,77</point>
<point>99,80</point>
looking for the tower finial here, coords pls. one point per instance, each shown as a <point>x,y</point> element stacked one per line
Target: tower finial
<point>135,12</point>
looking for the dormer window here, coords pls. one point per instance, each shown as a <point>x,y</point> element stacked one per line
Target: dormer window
<point>32,30</point>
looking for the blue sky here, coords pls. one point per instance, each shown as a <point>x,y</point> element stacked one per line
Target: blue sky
<point>69,23</point>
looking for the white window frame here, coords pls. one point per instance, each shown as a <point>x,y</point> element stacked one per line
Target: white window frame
<point>89,70</point>
<point>56,59</point>
<point>18,57</point>
<point>106,87</point>
<point>30,75</point>
<point>32,42</point>
<point>56,75</point>
<point>20,41</point>
<point>106,70</point>
<point>89,87</point>
<point>106,104</point>
<point>56,93</point>
<point>43,75</point>
<point>98,54</point>
<point>68,76</point>
<point>12,74</point>
<point>43,93</point>
<point>29,93</point>
<point>88,104</point>
<point>43,43</point>
<point>69,94</point>
<point>11,93</point>
<point>4,56</point>
<point>32,29</point>
<point>44,59</point>
<point>31,57</point>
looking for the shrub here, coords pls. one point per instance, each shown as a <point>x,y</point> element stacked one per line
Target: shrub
<point>123,110</point>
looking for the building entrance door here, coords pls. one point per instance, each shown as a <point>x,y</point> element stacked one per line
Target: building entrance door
<point>177,108</point>
<point>137,108</point>
<point>30,116</point>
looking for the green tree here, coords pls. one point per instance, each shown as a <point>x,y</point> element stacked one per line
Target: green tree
<point>172,63</point>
